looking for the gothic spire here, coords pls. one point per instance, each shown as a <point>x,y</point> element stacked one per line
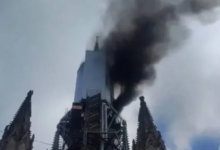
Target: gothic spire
<point>133,145</point>
<point>145,116</point>
<point>125,136</point>
<point>145,120</point>
<point>23,111</point>
<point>56,141</point>
<point>147,134</point>
<point>18,132</point>
<point>96,48</point>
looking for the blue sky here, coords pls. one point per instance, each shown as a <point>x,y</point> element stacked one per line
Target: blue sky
<point>205,143</point>
<point>43,42</point>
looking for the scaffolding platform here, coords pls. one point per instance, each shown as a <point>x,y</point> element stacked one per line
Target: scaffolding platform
<point>96,126</point>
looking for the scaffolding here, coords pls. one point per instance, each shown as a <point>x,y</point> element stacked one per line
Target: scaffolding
<point>64,129</point>
<point>96,126</point>
<point>103,128</point>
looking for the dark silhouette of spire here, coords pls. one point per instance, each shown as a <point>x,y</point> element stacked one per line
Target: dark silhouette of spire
<point>145,117</point>
<point>147,135</point>
<point>133,145</point>
<point>96,48</point>
<point>56,141</point>
<point>125,136</point>
<point>24,110</point>
<point>18,132</point>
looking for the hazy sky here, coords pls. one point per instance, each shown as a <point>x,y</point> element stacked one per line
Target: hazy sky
<point>43,42</point>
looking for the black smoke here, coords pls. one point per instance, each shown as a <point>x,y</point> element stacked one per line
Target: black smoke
<point>140,37</point>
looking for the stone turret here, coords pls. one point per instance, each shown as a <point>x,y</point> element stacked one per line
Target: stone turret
<point>148,138</point>
<point>17,135</point>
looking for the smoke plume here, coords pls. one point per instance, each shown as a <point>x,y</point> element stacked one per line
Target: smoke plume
<point>140,37</point>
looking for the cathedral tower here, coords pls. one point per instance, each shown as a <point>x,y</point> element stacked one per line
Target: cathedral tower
<point>17,135</point>
<point>148,138</point>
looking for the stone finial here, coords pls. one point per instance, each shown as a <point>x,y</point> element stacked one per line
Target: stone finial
<point>30,93</point>
<point>141,98</point>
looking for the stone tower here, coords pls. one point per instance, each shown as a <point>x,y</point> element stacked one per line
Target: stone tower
<point>148,138</point>
<point>17,135</point>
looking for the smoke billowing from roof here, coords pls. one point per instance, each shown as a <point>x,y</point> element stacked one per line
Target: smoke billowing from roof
<point>140,37</point>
